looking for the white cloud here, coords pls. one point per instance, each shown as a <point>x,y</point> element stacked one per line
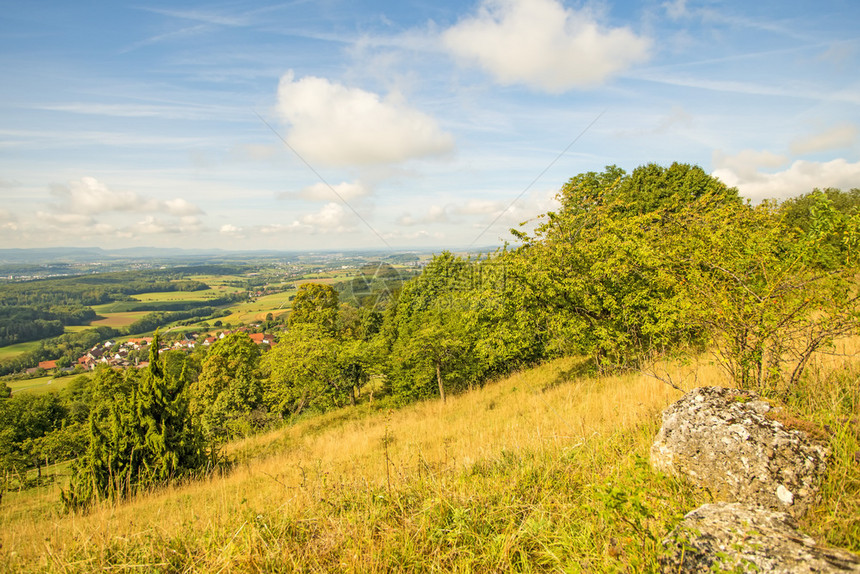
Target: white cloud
<point>337,125</point>
<point>89,196</point>
<point>231,231</point>
<point>180,207</point>
<point>800,177</point>
<point>836,137</point>
<point>746,164</point>
<point>542,44</point>
<point>153,226</point>
<point>332,217</point>
<point>676,9</point>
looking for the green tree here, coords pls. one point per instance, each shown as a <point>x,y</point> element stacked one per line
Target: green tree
<point>315,304</point>
<point>427,331</point>
<point>229,388</point>
<point>141,434</point>
<point>770,295</point>
<point>598,274</point>
<point>304,371</point>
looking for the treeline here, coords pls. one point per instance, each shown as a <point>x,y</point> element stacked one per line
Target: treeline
<point>96,289</point>
<point>35,310</point>
<point>23,324</point>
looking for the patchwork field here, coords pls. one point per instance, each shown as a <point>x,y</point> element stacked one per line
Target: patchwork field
<point>277,304</point>
<point>116,320</point>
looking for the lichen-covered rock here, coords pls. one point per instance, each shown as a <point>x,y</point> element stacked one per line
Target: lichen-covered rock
<point>732,537</point>
<point>721,439</point>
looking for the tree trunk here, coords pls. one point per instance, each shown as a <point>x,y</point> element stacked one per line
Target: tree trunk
<point>439,379</point>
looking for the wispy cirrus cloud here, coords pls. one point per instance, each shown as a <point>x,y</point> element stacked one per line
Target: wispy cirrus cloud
<point>836,137</point>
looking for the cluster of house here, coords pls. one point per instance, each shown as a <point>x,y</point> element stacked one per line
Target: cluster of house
<point>115,354</point>
<point>126,353</point>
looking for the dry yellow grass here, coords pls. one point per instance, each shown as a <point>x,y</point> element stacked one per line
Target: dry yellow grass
<point>539,409</point>
<point>304,498</point>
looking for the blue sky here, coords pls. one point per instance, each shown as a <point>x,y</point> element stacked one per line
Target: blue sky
<point>339,124</point>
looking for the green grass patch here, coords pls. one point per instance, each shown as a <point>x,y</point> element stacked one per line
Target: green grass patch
<point>205,295</point>
<point>12,351</point>
<point>76,328</point>
<point>46,384</point>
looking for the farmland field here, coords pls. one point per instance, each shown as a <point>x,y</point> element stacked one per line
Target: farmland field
<point>116,320</point>
<point>277,304</point>
<point>160,297</point>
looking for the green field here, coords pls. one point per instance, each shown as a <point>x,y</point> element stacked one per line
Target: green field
<point>12,351</point>
<point>160,297</point>
<point>40,385</point>
<point>76,328</point>
<point>251,311</point>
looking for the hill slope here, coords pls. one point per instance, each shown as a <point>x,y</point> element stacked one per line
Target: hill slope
<point>544,470</point>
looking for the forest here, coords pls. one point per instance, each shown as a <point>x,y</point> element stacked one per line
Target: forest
<point>633,268</point>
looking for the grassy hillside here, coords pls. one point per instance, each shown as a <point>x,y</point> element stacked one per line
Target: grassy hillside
<point>545,470</point>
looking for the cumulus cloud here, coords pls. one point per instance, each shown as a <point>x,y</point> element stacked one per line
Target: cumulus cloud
<point>544,45</point>
<point>178,206</point>
<point>89,196</point>
<point>229,229</point>
<point>332,217</point>
<point>800,177</point>
<point>341,126</point>
<point>746,165</point>
<point>836,137</point>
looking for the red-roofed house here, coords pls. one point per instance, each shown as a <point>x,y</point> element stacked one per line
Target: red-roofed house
<point>262,338</point>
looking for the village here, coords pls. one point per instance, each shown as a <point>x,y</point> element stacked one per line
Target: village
<point>134,352</point>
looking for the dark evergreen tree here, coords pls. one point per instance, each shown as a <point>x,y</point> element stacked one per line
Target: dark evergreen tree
<point>141,435</point>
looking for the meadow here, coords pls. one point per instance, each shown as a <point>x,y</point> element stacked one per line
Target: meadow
<point>46,384</point>
<point>11,351</point>
<point>544,470</point>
